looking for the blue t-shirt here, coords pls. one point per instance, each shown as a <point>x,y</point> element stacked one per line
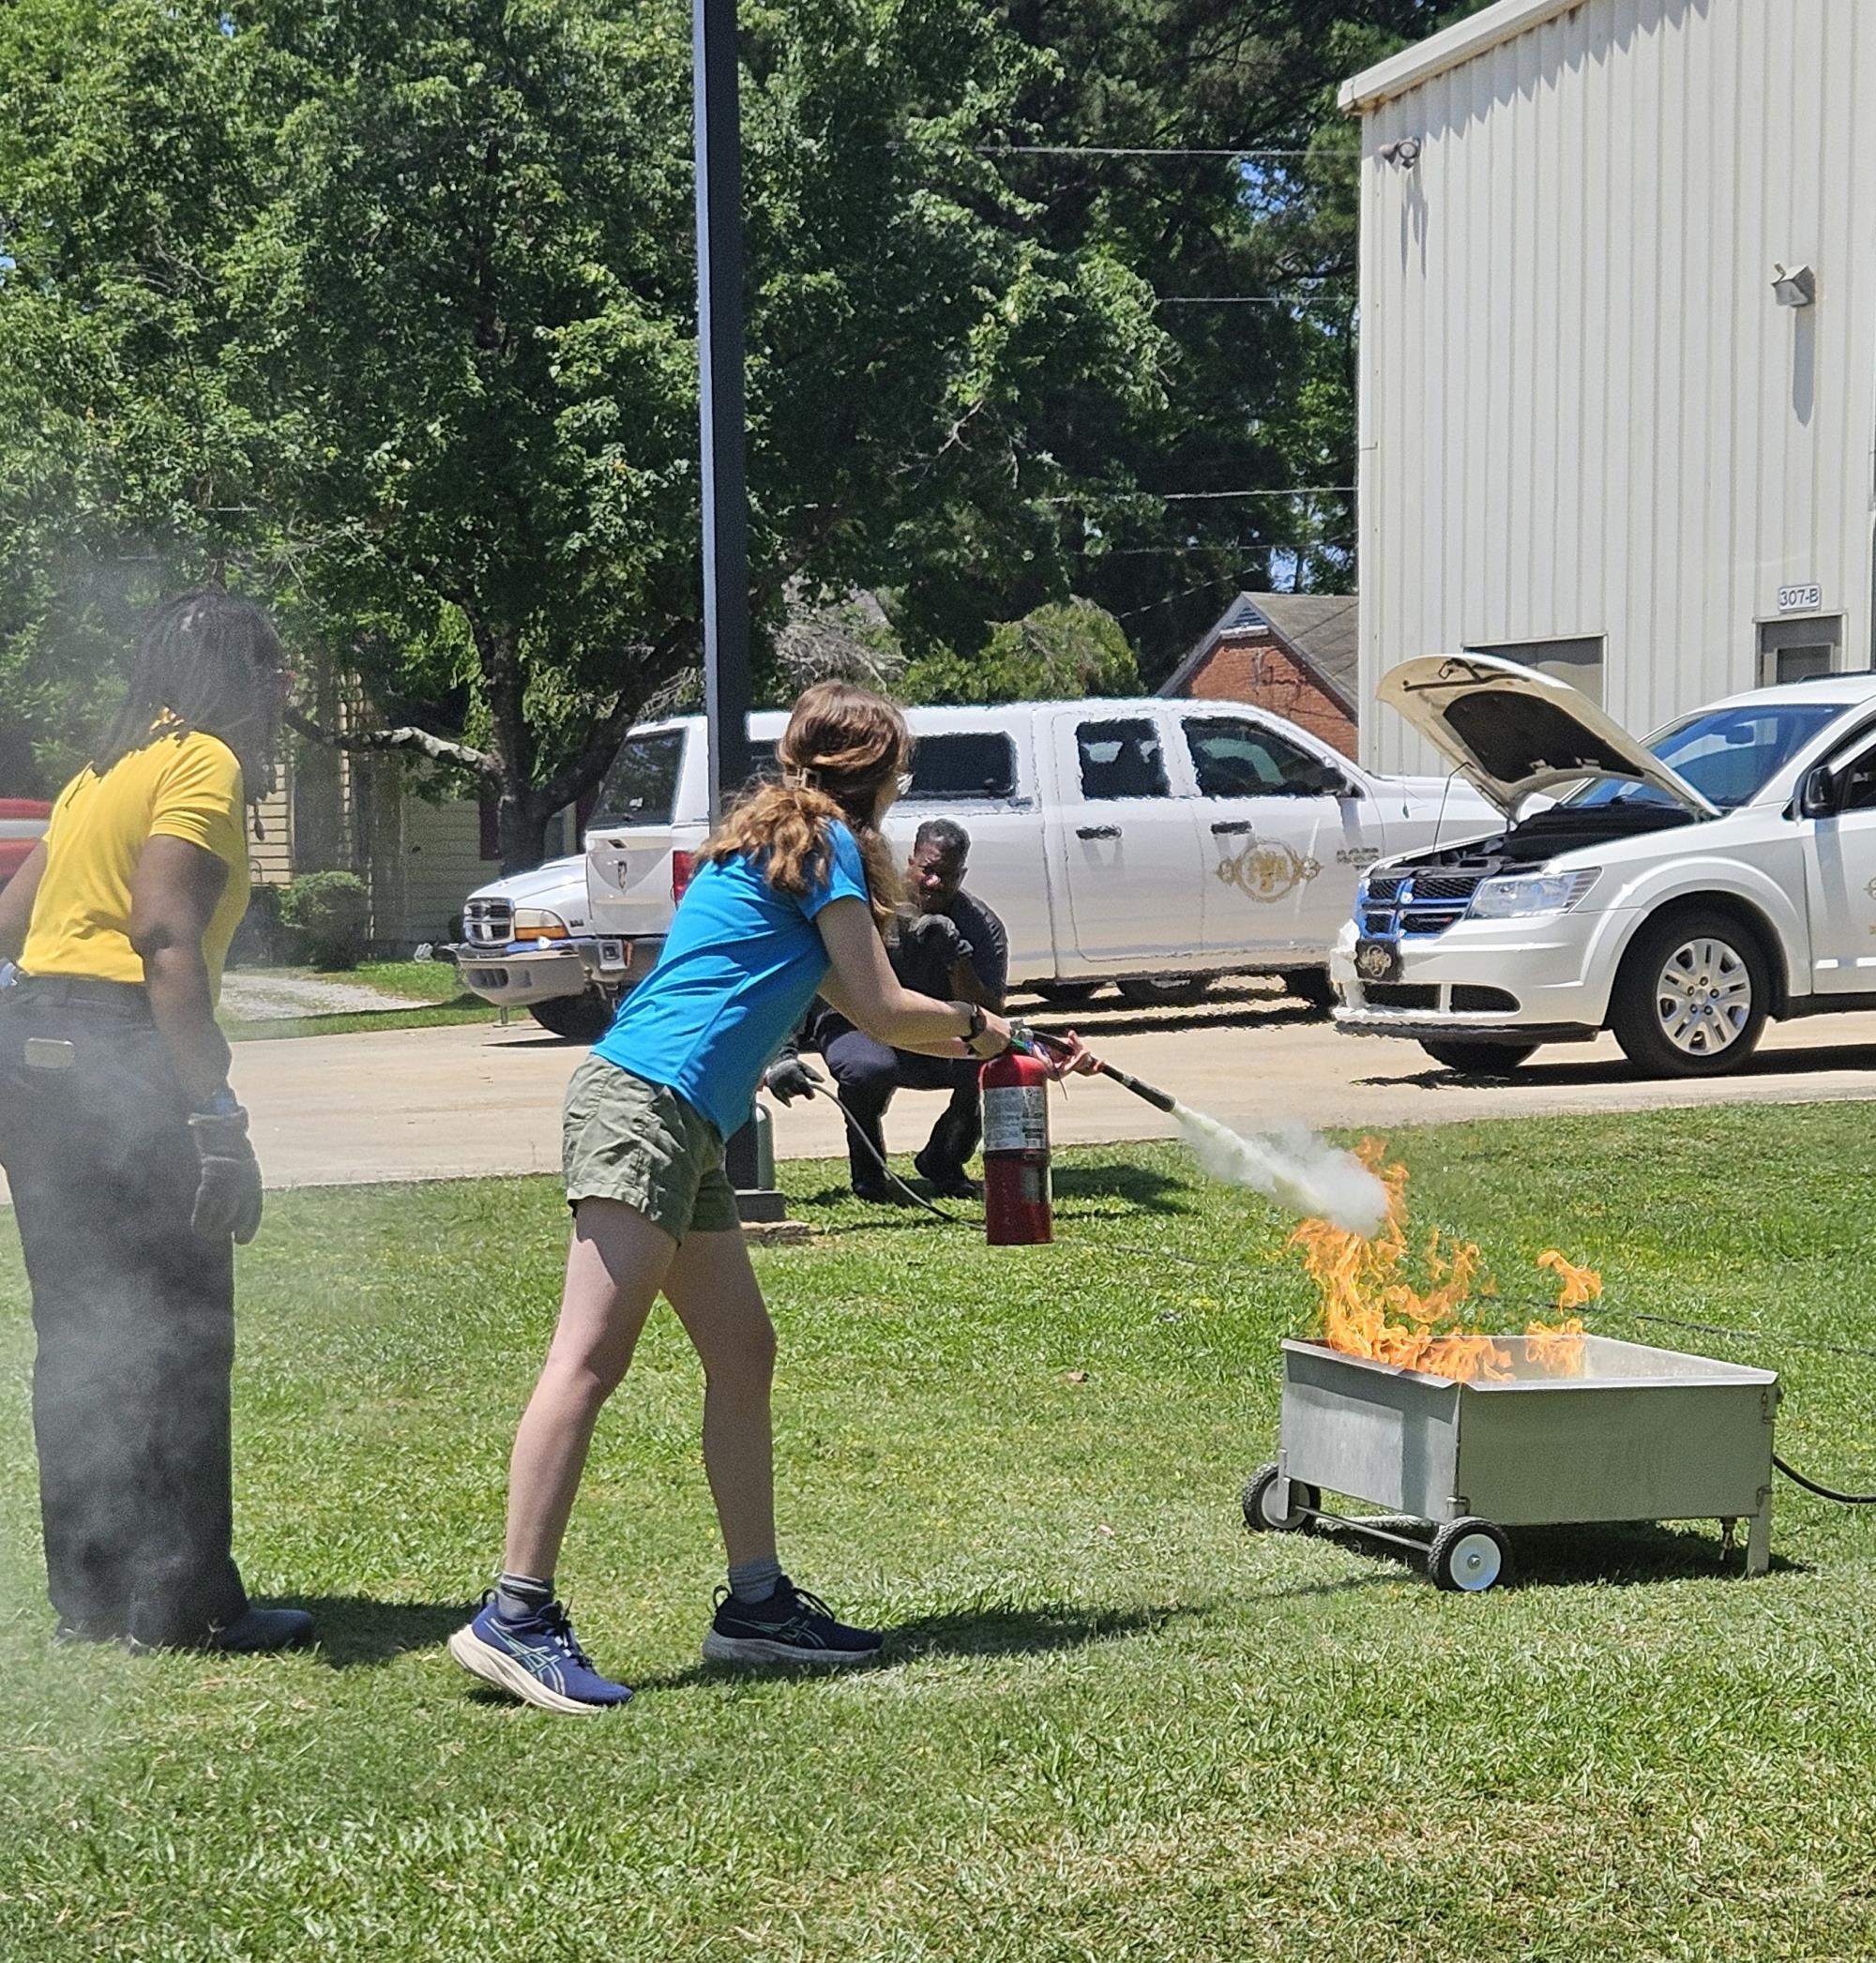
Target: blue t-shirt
<point>739,968</point>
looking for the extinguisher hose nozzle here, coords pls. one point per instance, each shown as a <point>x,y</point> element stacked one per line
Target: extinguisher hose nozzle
<point>1034,1041</point>
<point>1147,1094</point>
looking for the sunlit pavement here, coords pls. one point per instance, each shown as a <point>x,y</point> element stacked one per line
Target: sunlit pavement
<point>465,1101</point>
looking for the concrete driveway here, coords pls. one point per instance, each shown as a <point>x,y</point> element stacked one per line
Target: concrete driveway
<point>465,1101</point>
<point>449,1103</point>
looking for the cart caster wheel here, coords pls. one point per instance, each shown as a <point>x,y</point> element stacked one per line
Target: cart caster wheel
<point>1470,1556</point>
<point>1258,1503</point>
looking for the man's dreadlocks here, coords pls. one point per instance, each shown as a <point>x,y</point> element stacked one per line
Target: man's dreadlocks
<point>206,662</point>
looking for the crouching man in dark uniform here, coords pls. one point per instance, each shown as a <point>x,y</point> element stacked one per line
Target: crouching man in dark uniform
<point>952,947</point>
<point>127,1154</point>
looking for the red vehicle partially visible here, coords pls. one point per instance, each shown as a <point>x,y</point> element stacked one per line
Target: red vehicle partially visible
<point>23,824</point>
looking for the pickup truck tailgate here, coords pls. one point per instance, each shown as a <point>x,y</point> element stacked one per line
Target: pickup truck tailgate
<point>634,874</point>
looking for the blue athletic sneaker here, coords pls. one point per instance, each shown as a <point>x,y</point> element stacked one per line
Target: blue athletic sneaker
<point>792,1626</point>
<point>539,1660</point>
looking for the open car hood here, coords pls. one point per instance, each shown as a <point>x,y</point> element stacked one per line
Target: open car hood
<point>1512,730</point>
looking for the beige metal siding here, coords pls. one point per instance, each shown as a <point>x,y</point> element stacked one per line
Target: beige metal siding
<point>270,857</point>
<point>1581,410</point>
<point>424,862</point>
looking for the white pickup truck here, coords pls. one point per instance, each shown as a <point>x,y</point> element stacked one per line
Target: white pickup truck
<point>526,945</point>
<point>1151,842</point>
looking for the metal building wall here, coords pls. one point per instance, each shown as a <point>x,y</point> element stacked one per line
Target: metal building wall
<point>1581,410</point>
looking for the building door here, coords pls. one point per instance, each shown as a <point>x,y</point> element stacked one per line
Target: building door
<point>1795,650</point>
<point>1840,885</point>
<point>1265,833</point>
<point>1129,846</point>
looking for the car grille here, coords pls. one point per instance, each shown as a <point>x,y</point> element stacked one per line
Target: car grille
<point>1417,902</point>
<point>487,923</point>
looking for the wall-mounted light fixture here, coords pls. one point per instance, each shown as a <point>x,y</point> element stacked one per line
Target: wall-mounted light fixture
<point>1796,288</point>
<point>1404,151</point>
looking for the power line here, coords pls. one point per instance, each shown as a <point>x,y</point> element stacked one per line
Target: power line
<point>1186,593</point>
<point>1231,579</point>
<point>1170,150</point>
<point>1181,548</point>
<point>1254,299</point>
<point>1189,497</point>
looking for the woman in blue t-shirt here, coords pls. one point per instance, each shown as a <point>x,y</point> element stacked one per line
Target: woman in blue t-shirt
<point>794,893</point>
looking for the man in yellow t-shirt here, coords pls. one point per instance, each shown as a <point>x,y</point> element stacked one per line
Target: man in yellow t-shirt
<point>126,1150</point>
<point>183,786</point>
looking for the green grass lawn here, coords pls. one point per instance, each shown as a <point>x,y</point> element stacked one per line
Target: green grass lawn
<point>1113,1725</point>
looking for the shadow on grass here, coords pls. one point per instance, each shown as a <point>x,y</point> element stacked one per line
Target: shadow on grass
<point>356,1632</point>
<point>1141,1186</point>
<point>1614,1554</point>
<point>992,1631</point>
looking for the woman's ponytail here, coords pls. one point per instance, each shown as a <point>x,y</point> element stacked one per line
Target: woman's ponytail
<point>843,746</point>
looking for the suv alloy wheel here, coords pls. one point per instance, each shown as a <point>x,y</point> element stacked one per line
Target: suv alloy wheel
<point>1691,998</point>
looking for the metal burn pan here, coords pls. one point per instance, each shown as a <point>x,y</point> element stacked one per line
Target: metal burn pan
<point>1636,1434</point>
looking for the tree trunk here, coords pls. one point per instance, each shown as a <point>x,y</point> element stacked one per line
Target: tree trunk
<point>520,832</point>
<point>519,826</point>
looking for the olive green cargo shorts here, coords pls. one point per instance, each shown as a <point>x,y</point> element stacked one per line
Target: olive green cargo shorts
<point>624,1139</point>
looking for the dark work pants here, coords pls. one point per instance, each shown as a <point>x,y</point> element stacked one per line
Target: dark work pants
<point>866,1073</point>
<point>135,1320</point>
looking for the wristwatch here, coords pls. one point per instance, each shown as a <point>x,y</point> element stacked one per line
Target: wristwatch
<point>974,1010</point>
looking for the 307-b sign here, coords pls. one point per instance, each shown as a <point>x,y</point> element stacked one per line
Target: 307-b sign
<point>1800,599</point>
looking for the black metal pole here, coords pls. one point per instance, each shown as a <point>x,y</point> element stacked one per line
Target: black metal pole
<point>726,504</point>
<point>719,353</point>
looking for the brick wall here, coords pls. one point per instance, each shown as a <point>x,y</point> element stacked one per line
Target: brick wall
<point>1254,667</point>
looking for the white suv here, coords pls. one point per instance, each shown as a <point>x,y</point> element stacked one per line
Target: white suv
<point>1677,894</point>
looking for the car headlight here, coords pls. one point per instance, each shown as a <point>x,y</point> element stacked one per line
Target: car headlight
<point>1512,897</point>
<point>537,924</point>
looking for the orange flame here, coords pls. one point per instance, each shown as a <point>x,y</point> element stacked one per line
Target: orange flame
<point>1371,1308</point>
<point>1576,1286</point>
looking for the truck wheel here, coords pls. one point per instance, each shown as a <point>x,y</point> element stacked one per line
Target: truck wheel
<point>581,1019</point>
<point>1480,1059</point>
<point>1165,991</point>
<point>1069,994</point>
<point>1692,996</point>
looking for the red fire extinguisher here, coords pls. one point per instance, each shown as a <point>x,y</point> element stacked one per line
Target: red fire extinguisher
<point>1018,1206</point>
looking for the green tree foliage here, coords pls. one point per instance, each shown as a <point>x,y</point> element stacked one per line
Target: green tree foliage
<point>126,434</point>
<point>1061,650</point>
<point>1251,260</point>
<point>388,315</point>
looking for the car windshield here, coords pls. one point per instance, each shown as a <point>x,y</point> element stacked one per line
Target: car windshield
<point>1727,755</point>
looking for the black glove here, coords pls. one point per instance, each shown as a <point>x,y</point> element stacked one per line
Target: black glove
<point>934,937</point>
<point>228,1191</point>
<point>788,1078</point>
<point>929,948</point>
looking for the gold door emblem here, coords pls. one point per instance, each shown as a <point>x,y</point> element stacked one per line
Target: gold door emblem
<point>1267,872</point>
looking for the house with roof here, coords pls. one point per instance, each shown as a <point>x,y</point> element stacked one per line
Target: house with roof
<point>1294,653</point>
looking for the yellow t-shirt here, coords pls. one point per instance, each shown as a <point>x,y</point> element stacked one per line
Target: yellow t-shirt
<point>187,788</point>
